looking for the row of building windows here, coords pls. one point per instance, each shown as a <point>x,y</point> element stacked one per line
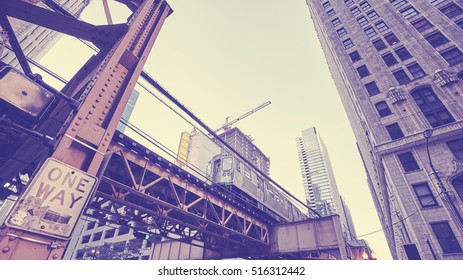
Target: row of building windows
<point>453,55</point>
<point>409,163</point>
<point>430,105</point>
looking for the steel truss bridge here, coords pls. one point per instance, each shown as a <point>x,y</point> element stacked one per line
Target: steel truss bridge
<point>137,187</point>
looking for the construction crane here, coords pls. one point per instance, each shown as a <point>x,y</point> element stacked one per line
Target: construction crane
<point>228,124</point>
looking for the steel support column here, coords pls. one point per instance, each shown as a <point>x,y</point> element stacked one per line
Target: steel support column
<point>87,134</point>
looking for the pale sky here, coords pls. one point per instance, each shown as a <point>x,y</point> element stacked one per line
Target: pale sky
<point>222,58</point>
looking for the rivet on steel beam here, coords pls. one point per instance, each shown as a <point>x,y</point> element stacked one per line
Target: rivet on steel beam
<point>55,256</point>
<point>5,249</point>
<point>12,238</point>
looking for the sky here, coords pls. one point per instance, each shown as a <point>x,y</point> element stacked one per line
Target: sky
<point>223,58</point>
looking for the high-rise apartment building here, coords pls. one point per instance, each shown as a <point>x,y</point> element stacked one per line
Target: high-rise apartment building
<point>128,110</point>
<point>318,179</point>
<point>398,68</point>
<point>244,145</point>
<point>36,40</point>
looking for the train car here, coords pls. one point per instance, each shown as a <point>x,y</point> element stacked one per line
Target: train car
<point>240,178</point>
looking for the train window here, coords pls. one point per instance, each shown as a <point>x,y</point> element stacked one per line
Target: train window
<point>238,167</point>
<point>217,165</point>
<point>209,169</point>
<point>227,163</point>
<point>247,172</point>
<point>270,190</point>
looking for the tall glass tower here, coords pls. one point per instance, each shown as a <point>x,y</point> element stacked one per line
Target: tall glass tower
<point>398,68</point>
<point>318,179</point>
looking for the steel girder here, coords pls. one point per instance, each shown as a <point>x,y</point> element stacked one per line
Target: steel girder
<point>135,190</point>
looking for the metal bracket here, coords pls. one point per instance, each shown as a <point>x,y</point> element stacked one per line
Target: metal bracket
<point>52,245</point>
<point>48,140</point>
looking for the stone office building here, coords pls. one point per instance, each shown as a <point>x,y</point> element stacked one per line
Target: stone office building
<point>398,68</point>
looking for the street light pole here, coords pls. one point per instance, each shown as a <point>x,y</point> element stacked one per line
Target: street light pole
<point>427,134</point>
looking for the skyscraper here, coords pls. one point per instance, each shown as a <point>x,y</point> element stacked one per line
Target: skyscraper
<point>398,68</point>
<point>128,110</point>
<point>37,40</point>
<point>318,179</point>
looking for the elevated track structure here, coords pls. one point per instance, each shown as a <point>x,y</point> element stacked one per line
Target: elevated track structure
<point>66,141</point>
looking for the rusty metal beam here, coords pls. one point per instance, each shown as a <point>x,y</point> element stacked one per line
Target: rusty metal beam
<point>103,36</point>
<point>86,135</point>
<point>5,23</point>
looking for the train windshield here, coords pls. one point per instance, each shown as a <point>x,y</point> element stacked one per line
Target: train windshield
<point>227,163</point>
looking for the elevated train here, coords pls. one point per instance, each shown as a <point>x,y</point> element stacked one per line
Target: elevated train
<point>241,179</point>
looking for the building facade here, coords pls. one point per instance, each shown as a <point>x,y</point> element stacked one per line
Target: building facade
<point>37,40</point>
<point>128,110</point>
<point>244,145</point>
<point>318,179</point>
<point>398,68</point>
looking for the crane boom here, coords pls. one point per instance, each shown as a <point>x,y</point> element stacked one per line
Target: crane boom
<point>228,124</point>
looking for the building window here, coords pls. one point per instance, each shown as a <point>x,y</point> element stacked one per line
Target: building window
<point>409,12</point>
<point>381,26</point>
<point>348,44</point>
<point>97,236</point>
<point>349,2</point>
<point>331,13</point>
<point>401,77</point>
<point>394,131</point>
<point>363,71</point>
<point>372,15</point>
<point>391,39</point>
<point>341,32</point>
<point>436,39</point>
<point>326,5</point>
<point>109,233</point>
<point>446,238</point>
<point>432,108</point>
<point>91,225</point>
<point>379,45</point>
<point>372,88</point>
<point>408,162</point>
<point>456,146</point>
<point>80,255</point>
<point>335,22</point>
<point>457,184</point>
<point>453,56</point>
<point>435,2</point>
<point>85,239</point>
<point>422,25</point>
<point>398,3</point>
<point>383,109</point>
<point>389,59</point>
<point>451,10</point>
<point>362,21</point>
<point>365,5</point>
<point>403,53</point>
<point>424,194</point>
<point>355,11</point>
<point>371,32</point>
<point>416,71</point>
<point>355,56</point>
<point>123,230</point>
<point>460,24</point>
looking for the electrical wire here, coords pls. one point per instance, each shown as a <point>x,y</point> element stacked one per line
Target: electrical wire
<point>399,221</point>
